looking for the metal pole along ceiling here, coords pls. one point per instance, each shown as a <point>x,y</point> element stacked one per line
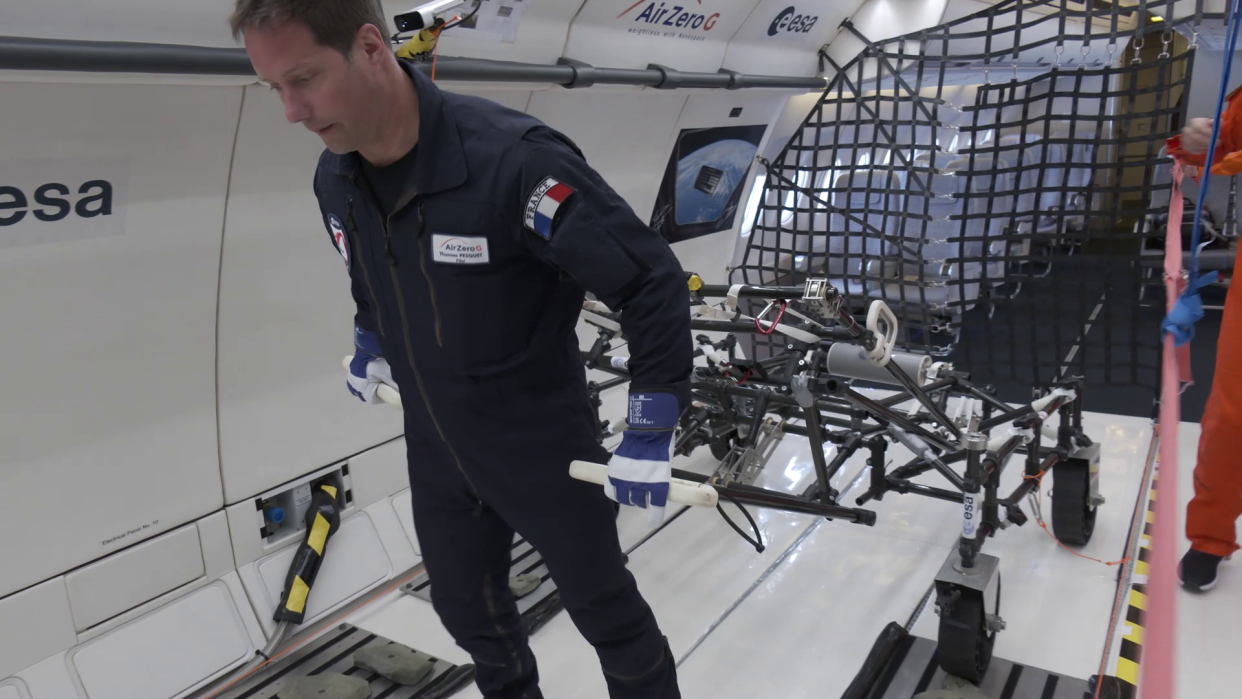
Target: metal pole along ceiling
<point>22,53</point>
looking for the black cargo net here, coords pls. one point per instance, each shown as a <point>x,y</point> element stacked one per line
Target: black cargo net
<point>998,182</point>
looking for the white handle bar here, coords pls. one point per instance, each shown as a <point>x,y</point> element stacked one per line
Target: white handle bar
<point>680,491</point>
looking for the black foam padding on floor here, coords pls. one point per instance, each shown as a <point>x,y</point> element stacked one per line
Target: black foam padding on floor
<point>332,652</point>
<point>913,669</point>
<point>536,607</point>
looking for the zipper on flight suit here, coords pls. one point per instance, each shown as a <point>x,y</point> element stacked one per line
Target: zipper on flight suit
<point>405,323</point>
<point>352,231</point>
<point>422,259</point>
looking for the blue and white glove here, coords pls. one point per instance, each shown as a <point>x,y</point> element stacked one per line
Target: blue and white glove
<point>640,470</point>
<point>368,369</point>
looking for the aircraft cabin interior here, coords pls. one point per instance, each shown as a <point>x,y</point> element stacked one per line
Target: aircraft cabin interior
<point>944,284</point>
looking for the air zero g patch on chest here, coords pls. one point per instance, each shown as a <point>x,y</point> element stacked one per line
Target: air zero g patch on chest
<point>543,204</point>
<point>459,249</point>
<point>339,238</point>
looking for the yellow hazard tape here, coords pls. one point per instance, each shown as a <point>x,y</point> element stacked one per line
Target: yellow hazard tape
<point>319,534</point>
<point>297,596</point>
<point>1130,656</point>
<point>1128,671</point>
<point>329,489</point>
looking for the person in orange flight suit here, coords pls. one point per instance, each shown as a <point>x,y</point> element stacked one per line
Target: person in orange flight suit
<point>1217,502</point>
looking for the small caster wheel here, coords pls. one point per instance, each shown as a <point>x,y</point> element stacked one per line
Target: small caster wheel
<point>721,448</point>
<point>1073,513</point>
<point>967,634</point>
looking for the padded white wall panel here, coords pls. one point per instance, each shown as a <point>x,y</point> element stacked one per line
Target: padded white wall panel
<point>624,135</point>
<point>14,689</point>
<point>48,679</point>
<point>213,535</point>
<point>160,21</point>
<point>166,654</point>
<point>108,432</point>
<point>141,610</point>
<point>128,578</point>
<point>34,624</point>
<point>782,37</point>
<point>628,34</point>
<point>286,317</point>
<point>390,525</point>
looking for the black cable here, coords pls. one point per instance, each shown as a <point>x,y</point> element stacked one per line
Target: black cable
<point>757,542</point>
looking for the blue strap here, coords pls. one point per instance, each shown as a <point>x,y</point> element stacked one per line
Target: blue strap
<point>1188,308</point>
<point>1187,311</point>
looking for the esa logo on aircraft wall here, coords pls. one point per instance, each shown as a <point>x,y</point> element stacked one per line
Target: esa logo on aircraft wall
<point>790,22</point>
<point>46,201</point>
<point>670,20</point>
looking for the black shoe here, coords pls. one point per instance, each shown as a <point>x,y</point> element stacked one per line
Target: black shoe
<point>1198,570</point>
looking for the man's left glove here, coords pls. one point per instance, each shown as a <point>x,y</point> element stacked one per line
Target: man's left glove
<point>640,471</point>
<point>368,369</point>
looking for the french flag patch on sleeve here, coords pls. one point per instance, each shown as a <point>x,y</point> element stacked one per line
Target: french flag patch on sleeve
<point>542,205</point>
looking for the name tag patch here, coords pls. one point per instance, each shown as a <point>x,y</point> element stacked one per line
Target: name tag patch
<point>459,249</point>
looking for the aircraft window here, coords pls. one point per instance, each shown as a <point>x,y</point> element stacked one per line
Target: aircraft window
<point>752,204</point>
<point>794,197</point>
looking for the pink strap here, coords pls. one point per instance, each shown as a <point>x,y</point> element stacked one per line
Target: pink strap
<point>1159,661</point>
<point>1173,237</point>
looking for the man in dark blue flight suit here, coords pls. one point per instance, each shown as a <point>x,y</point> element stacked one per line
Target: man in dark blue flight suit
<point>469,257</point>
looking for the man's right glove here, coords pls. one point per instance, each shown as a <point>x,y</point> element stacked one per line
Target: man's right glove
<point>368,369</point>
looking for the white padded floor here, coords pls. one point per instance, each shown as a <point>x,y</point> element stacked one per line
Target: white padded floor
<point>797,620</point>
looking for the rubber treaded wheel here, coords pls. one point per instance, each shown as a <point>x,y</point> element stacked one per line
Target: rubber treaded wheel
<point>964,643</point>
<point>1073,516</point>
<point>721,448</point>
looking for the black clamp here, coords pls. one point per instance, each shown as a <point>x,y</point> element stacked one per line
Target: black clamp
<point>584,73</point>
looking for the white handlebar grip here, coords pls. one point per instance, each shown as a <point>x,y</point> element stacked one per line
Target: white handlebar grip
<point>386,393</point>
<point>679,491</point>
<point>884,341</point>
